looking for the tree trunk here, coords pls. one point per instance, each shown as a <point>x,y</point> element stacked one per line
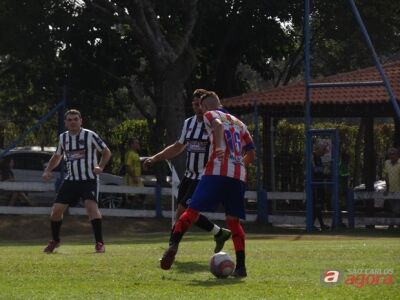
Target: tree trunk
<point>170,115</point>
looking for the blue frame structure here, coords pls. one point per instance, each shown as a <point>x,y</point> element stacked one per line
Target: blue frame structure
<point>333,183</point>
<point>60,107</point>
<point>309,85</point>
<point>262,206</point>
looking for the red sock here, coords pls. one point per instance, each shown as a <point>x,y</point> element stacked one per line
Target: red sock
<point>238,235</point>
<point>186,220</point>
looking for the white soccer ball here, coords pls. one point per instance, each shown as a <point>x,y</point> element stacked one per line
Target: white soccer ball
<point>221,265</point>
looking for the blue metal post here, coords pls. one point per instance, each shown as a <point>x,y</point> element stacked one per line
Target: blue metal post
<point>158,201</point>
<point>335,180</point>
<point>262,205</point>
<point>376,59</point>
<point>309,187</point>
<point>309,199</point>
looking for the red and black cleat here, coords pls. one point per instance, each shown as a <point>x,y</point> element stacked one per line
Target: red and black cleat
<point>168,257</point>
<point>51,246</point>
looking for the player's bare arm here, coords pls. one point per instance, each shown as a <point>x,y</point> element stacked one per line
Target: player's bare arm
<point>105,157</point>
<point>218,131</point>
<point>53,162</point>
<point>249,157</point>
<point>169,152</point>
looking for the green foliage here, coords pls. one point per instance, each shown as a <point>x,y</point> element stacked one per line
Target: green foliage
<point>129,129</point>
<point>97,53</point>
<point>120,135</point>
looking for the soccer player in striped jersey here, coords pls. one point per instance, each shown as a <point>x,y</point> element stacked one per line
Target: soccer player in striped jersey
<point>78,146</point>
<point>194,138</point>
<point>223,181</point>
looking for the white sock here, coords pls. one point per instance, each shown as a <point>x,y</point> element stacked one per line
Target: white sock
<point>215,230</point>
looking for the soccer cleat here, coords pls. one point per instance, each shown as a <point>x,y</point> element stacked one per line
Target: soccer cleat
<point>240,272</point>
<point>221,238</point>
<point>168,257</point>
<point>51,246</point>
<point>100,248</point>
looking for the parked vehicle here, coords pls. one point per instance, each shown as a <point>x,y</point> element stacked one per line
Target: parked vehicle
<point>29,163</point>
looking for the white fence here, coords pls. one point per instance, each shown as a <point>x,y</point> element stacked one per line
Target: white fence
<point>123,189</point>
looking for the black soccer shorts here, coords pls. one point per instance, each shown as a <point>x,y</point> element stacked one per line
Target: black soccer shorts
<point>71,192</point>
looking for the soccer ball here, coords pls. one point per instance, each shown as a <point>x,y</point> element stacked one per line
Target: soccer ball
<point>221,265</point>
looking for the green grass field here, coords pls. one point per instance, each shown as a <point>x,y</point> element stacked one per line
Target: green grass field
<point>279,267</point>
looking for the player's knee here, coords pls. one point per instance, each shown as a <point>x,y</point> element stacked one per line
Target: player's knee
<point>180,210</point>
<point>193,214</point>
<point>92,209</point>
<point>231,218</point>
<point>57,213</point>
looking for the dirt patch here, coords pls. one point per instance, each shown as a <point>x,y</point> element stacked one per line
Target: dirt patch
<point>30,227</point>
<point>21,227</point>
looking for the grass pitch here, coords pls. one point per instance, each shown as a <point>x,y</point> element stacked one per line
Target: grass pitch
<point>279,267</point>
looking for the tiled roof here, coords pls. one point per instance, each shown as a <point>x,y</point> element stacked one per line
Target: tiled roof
<point>294,94</point>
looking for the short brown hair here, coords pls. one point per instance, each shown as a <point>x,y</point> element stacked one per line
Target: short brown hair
<point>132,140</point>
<point>72,112</point>
<point>198,93</point>
<point>209,94</point>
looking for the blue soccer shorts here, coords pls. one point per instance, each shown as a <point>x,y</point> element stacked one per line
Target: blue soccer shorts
<point>213,190</point>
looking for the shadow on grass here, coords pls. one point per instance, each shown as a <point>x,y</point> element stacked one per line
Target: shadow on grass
<point>217,282</point>
<point>79,239</point>
<point>193,267</point>
<point>339,233</point>
<point>190,267</point>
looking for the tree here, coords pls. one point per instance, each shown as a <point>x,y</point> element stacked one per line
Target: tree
<point>113,55</point>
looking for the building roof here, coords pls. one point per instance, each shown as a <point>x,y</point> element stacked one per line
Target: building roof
<point>293,95</point>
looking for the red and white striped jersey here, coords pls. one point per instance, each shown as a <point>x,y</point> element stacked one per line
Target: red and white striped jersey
<point>237,140</point>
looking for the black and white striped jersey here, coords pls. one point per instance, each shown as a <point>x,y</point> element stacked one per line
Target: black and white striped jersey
<point>80,154</point>
<point>194,135</point>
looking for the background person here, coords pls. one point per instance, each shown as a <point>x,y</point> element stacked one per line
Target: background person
<point>78,146</point>
<point>133,170</point>
<point>391,174</point>
<point>132,164</point>
<point>320,174</point>
<point>6,166</point>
